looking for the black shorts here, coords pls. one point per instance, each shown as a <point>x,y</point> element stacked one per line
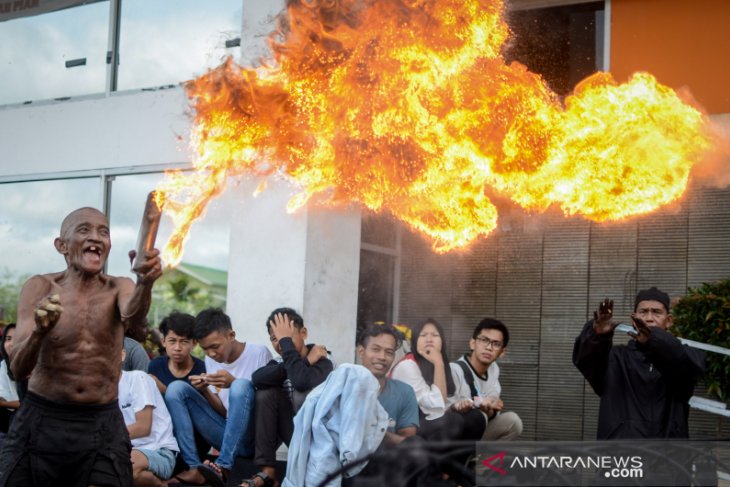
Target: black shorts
<point>53,444</point>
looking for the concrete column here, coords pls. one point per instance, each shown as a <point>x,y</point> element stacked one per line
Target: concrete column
<point>309,261</point>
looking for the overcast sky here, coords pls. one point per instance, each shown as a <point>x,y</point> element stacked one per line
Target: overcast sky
<point>162,42</point>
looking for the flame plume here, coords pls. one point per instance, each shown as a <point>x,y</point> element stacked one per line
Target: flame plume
<point>408,106</point>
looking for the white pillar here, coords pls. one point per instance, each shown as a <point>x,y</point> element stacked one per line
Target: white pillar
<point>309,261</point>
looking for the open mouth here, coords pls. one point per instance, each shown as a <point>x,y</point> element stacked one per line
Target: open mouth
<point>93,251</point>
<point>379,367</point>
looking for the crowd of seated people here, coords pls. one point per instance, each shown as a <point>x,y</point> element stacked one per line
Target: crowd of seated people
<point>190,419</point>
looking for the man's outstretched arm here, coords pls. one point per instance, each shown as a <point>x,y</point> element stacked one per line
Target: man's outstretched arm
<point>38,313</point>
<point>682,365</point>
<point>135,299</point>
<point>593,346</point>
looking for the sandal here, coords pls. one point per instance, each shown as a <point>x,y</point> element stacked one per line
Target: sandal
<point>268,481</point>
<point>212,474</point>
<point>182,482</point>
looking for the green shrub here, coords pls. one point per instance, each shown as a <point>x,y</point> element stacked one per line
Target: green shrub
<point>704,316</point>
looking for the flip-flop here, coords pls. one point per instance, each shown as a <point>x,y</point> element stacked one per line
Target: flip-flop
<point>211,476</point>
<point>184,483</point>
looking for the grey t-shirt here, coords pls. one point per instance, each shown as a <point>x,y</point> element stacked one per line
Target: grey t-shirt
<point>137,358</point>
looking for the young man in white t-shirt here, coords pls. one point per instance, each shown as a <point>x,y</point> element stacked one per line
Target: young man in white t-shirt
<point>218,404</point>
<point>154,448</point>
<point>477,377</point>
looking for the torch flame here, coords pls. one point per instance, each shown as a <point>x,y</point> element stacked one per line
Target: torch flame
<point>408,106</point>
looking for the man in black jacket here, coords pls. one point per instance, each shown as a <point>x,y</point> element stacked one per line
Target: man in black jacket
<point>646,384</point>
<point>281,386</point>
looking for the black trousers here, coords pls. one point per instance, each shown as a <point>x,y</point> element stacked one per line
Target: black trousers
<point>53,444</point>
<point>274,424</point>
<point>468,426</point>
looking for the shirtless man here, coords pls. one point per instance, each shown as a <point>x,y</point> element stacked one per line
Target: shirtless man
<point>69,430</point>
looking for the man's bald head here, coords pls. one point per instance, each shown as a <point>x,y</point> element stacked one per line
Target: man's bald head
<point>70,220</point>
<point>84,241</point>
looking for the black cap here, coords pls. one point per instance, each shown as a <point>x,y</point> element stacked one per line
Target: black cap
<point>652,294</point>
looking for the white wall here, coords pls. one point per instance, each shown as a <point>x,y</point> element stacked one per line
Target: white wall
<point>309,261</point>
<point>95,132</point>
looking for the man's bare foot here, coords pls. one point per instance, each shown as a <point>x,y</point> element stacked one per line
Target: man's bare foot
<point>214,474</point>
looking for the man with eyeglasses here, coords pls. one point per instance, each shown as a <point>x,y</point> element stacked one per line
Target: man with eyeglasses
<point>477,378</point>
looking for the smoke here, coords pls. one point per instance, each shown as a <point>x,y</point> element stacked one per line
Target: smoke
<point>714,170</point>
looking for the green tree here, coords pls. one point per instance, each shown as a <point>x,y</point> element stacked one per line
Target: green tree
<point>704,316</point>
<point>177,293</point>
<point>10,286</point>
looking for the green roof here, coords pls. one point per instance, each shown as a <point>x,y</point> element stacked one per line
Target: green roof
<point>206,275</point>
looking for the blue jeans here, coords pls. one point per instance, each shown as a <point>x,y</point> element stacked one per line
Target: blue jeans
<point>232,436</point>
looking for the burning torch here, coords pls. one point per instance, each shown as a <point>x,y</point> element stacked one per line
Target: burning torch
<point>147,230</point>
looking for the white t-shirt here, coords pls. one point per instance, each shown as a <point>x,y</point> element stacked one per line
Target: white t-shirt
<point>430,400</point>
<point>8,387</point>
<point>485,388</point>
<point>138,390</point>
<point>254,357</point>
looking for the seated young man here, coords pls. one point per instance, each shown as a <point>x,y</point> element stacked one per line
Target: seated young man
<point>178,364</point>
<point>376,347</point>
<point>477,378</point>
<point>218,404</point>
<point>150,429</point>
<point>281,386</point>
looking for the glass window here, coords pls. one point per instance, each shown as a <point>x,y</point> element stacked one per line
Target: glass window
<point>30,219</point>
<point>208,238</point>
<point>54,55</point>
<point>378,229</point>
<point>201,278</point>
<point>564,44</point>
<point>376,288</point>
<point>165,42</point>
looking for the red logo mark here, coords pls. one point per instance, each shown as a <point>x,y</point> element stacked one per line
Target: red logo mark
<point>488,463</point>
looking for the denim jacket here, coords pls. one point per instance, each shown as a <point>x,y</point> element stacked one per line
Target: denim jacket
<point>340,421</point>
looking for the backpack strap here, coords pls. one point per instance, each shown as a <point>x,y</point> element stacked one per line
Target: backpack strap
<point>469,377</point>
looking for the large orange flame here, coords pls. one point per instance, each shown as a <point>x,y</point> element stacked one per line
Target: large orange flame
<point>407,106</point>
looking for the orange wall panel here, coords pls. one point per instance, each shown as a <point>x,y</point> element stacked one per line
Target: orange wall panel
<point>683,43</point>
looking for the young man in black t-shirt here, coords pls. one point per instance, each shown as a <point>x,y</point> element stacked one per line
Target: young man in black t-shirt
<point>177,363</point>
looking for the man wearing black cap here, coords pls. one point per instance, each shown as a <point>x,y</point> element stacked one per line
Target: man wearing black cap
<point>646,384</point>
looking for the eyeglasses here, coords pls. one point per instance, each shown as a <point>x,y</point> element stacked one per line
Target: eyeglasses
<point>495,344</point>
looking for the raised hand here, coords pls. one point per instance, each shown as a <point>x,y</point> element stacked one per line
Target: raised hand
<point>603,318</point>
<point>47,313</point>
<point>432,354</point>
<point>150,269</point>
<point>281,326</point>
<point>643,332</point>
